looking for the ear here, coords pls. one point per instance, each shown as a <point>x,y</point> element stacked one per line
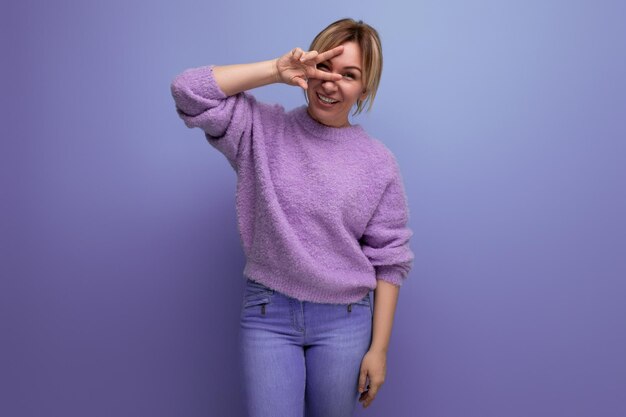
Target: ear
<point>363,95</point>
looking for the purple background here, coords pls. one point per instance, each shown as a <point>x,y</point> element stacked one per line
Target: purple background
<point>121,262</point>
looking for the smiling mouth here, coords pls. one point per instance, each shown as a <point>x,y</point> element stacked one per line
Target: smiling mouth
<point>326,100</point>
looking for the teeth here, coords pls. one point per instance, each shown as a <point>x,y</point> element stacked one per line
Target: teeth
<point>326,99</point>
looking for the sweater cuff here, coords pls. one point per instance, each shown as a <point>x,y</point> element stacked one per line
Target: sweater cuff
<point>389,273</point>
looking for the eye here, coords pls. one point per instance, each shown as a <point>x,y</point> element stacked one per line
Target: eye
<point>349,75</point>
<point>322,67</point>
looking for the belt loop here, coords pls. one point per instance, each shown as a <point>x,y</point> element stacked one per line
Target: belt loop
<point>349,308</point>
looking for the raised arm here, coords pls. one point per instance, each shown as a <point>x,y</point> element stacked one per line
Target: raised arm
<point>233,79</point>
<point>293,68</point>
<point>214,98</point>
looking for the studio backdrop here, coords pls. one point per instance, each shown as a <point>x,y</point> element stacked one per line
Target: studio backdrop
<point>121,270</point>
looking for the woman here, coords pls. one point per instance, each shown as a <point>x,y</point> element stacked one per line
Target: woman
<point>322,216</point>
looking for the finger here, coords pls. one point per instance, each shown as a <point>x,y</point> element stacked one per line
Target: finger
<point>366,400</point>
<point>373,391</point>
<point>325,56</point>
<point>307,56</point>
<point>326,76</point>
<point>296,53</point>
<point>369,398</point>
<point>302,83</point>
<point>371,394</point>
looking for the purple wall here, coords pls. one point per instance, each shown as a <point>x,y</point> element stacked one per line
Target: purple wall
<point>121,262</point>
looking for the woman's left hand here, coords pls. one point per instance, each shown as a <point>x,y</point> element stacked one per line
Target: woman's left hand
<point>373,366</point>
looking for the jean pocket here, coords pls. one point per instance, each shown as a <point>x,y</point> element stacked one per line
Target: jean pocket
<point>365,301</point>
<point>256,294</point>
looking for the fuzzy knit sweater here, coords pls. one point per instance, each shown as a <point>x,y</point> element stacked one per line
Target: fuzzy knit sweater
<point>322,211</point>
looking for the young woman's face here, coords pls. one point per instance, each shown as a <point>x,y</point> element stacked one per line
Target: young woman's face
<point>330,102</point>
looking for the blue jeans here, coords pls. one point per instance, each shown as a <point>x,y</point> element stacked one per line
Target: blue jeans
<point>301,358</point>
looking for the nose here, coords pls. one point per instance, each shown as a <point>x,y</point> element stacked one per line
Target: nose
<point>329,86</point>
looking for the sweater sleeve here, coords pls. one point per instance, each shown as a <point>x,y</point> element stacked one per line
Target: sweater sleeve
<point>386,238</point>
<point>225,120</point>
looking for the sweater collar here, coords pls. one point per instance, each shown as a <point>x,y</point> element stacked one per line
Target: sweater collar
<point>322,131</point>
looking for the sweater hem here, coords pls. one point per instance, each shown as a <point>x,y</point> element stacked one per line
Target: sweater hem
<point>312,290</point>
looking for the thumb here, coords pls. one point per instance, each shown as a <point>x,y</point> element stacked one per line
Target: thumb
<point>301,82</point>
<point>362,378</point>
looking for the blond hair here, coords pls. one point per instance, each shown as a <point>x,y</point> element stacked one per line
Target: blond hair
<point>347,30</point>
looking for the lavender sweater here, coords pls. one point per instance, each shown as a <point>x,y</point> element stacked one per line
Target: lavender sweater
<point>322,211</point>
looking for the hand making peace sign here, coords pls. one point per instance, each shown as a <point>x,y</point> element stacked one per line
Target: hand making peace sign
<point>297,66</point>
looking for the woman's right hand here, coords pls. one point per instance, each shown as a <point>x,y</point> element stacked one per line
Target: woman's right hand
<point>297,66</point>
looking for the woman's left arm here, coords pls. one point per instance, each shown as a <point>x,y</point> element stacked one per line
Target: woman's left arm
<point>374,364</point>
<point>385,242</point>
